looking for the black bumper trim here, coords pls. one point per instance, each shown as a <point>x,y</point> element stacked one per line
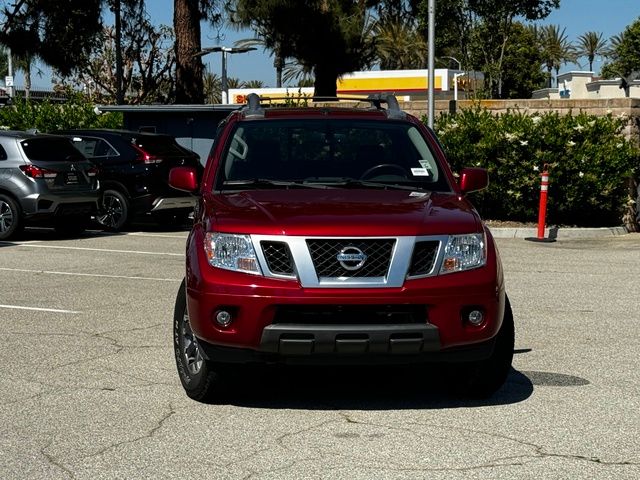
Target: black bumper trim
<point>303,339</point>
<point>348,346</point>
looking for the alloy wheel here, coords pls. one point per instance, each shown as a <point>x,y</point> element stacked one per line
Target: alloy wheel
<point>112,211</point>
<point>6,216</point>
<point>190,348</point>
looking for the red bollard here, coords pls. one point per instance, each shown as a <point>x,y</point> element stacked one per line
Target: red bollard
<point>542,211</point>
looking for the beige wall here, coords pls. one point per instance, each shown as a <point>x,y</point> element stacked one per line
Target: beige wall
<point>620,107</point>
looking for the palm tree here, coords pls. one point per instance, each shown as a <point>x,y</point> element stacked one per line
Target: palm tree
<point>556,49</point>
<point>614,43</point>
<point>278,59</point>
<point>212,87</point>
<point>589,45</point>
<point>399,44</point>
<point>295,72</point>
<point>254,84</point>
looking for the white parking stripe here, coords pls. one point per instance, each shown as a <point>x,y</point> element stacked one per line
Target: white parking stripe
<point>60,247</point>
<point>159,235</point>
<point>54,310</point>
<point>52,272</point>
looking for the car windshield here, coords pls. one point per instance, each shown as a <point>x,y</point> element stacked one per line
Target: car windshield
<point>51,149</point>
<point>344,153</point>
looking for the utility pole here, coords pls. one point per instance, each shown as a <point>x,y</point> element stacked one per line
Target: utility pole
<point>119,92</point>
<point>431,40</point>
<point>9,79</point>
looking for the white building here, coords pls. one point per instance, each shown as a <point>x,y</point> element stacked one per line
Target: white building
<point>585,85</point>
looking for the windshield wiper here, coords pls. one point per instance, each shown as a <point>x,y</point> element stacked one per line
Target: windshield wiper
<point>266,182</point>
<point>352,182</point>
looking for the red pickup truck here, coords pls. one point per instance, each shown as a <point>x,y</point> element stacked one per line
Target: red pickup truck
<point>333,234</point>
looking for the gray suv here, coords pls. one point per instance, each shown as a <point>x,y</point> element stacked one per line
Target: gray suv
<point>44,179</point>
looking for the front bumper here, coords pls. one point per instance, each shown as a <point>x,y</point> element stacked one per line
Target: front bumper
<point>260,332</point>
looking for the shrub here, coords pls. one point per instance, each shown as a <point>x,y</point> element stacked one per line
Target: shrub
<point>46,116</point>
<point>589,161</point>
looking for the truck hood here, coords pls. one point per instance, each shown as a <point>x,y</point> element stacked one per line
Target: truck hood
<point>340,212</point>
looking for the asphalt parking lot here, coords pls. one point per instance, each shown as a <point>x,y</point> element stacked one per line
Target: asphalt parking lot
<point>89,390</point>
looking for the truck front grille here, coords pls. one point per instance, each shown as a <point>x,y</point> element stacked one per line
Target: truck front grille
<point>325,256</point>
<point>424,257</point>
<point>278,257</point>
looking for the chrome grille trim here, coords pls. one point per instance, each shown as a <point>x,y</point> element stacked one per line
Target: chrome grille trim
<point>305,272</point>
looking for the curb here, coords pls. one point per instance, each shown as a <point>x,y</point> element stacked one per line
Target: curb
<point>558,233</point>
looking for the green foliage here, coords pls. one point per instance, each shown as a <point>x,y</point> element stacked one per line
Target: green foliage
<point>327,36</point>
<point>521,65</point>
<point>46,116</point>
<point>589,161</point>
<point>61,35</point>
<point>625,53</point>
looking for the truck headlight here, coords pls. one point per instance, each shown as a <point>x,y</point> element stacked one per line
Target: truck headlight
<point>231,252</point>
<point>464,252</point>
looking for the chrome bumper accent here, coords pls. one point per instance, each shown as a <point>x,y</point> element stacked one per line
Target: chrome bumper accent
<point>174,202</point>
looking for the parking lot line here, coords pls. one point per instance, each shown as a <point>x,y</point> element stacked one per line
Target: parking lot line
<point>159,235</point>
<point>77,274</point>
<point>60,247</point>
<point>38,309</point>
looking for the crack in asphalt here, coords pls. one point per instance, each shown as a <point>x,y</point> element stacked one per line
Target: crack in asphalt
<point>512,460</point>
<point>278,442</point>
<point>149,434</point>
<point>51,460</point>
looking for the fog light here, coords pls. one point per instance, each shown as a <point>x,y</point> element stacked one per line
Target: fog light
<point>475,317</point>
<point>223,318</point>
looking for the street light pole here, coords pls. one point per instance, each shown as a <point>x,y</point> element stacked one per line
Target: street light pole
<point>223,78</point>
<point>431,40</point>
<point>223,74</point>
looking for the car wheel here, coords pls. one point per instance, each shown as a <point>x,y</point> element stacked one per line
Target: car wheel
<point>71,226</point>
<point>114,211</point>
<point>196,373</point>
<point>482,379</point>
<point>10,217</point>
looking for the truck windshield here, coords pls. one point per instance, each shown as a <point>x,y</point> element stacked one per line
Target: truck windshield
<point>331,151</point>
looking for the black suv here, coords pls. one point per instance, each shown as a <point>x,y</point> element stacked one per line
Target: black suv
<point>134,174</point>
<point>43,179</point>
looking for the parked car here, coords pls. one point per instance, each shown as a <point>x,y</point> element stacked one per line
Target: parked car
<point>338,235</point>
<point>44,179</point>
<point>134,173</point>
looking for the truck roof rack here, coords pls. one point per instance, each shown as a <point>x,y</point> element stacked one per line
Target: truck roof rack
<point>254,109</point>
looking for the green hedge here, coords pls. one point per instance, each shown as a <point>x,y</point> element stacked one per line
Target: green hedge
<point>46,116</point>
<point>589,161</point>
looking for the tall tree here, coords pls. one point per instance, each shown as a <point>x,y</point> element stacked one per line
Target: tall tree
<point>147,67</point>
<point>522,61</point>
<point>482,31</point>
<point>327,36</point>
<point>556,49</point>
<point>279,62</point>
<point>625,56</point>
<point>187,15</point>
<point>61,33</point>
<point>399,43</point>
<point>590,45</point>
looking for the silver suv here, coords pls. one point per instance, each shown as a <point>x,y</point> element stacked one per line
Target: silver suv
<point>44,179</point>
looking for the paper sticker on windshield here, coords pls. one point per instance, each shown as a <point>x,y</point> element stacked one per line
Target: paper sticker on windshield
<point>420,172</point>
<point>426,164</point>
<point>418,194</point>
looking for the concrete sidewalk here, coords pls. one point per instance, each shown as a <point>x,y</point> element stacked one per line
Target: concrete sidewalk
<point>557,233</point>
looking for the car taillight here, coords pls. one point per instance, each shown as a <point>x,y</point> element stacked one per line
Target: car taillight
<point>37,172</point>
<point>92,172</point>
<point>146,157</point>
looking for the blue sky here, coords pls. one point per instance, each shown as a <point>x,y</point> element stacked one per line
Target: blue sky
<point>578,16</point>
